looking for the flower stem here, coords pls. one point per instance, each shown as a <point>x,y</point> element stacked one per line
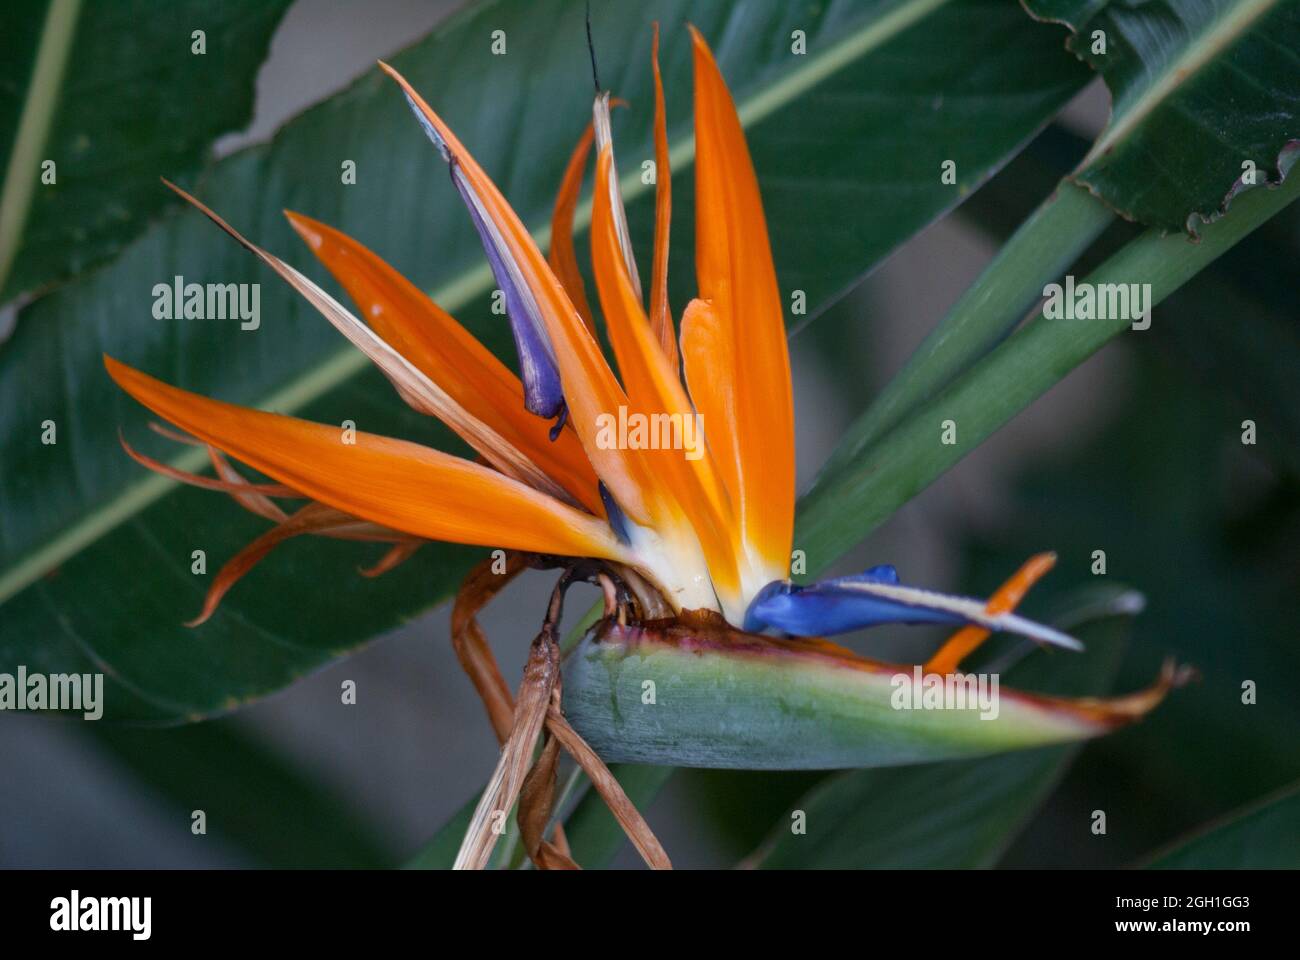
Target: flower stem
<point>868,485</point>
<point>1040,250</point>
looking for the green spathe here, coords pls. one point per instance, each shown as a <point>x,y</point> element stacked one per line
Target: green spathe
<point>950,691</point>
<point>684,695</point>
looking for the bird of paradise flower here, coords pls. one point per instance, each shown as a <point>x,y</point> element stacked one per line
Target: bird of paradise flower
<point>692,553</point>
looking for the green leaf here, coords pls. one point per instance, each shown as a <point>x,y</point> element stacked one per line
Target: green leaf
<point>113,95</point>
<point>1224,540</point>
<point>1215,558</point>
<point>958,814</point>
<point>1254,363</point>
<point>1265,836</point>
<point>1199,88</point>
<point>95,555</point>
<point>252,796</point>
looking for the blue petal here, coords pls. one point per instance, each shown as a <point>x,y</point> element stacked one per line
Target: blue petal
<point>614,513</point>
<point>874,597</point>
<point>885,573</point>
<point>543,394</point>
<point>824,609</point>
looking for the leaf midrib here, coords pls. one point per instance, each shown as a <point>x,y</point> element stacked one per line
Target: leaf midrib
<point>455,294</point>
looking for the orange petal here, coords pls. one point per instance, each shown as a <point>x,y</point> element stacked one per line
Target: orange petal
<point>661,320</point>
<point>253,497</point>
<point>253,502</point>
<point>1115,712</point>
<point>563,259</point>
<point>706,350</point>
<point>654,390</point>
<point>590,388</point>
<point>393,483</point>
<point>399,554</point>
<point>600,117</point>
<point>449,355</point>
<point>412,384</point>
<point>313,518</point>
<point>230,485</point>
<point>733,261</point>
<point>1005,599</point>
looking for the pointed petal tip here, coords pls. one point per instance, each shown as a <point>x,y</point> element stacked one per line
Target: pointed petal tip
<point>701,46</point>
<point>1013,623</point>
<point>397,78</point>
<point>414,100</point>
<point>312,231</point>
<point>116,369</point>
<point>186,196</point>
<point>1113,712</point>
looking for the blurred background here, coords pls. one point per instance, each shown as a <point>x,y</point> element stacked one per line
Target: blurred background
<point>1137,452</point>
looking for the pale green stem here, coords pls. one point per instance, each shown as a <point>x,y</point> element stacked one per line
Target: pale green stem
<point>866,489</point>
<point>1043,247</point>
<point>43,89</point>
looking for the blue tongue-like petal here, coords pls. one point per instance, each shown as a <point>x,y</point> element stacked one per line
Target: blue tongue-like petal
<point>875,597</point>
<point>543,394</point>
<point>884,573</point>
<point>826,608</point>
